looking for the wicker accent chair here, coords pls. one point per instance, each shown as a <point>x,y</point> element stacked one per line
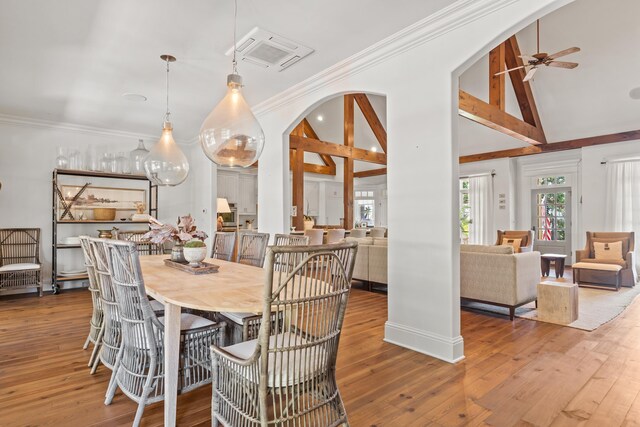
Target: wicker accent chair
<point>20,266</point>
<point>252,248</point>
<point>139,370</point>
<point>223,244</point>
<point>287,375</point>
<point>97,315</point>
<point>291,240</point>
<point>527,238</point>
<point>144,247</point>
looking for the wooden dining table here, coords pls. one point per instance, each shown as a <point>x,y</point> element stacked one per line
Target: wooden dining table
<point>234,288</point>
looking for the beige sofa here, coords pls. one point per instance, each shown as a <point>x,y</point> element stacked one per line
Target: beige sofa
<point>371,260</point>
<point>497,276</point>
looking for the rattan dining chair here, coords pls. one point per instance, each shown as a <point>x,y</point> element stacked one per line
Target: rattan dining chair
<point>252,247</point>
<point>223,244</point>
<point>145,247</point>
<point>287,375</point>
<point>97,313</point>
<point>20,259</point>
<point>139,369</point>
<point>111,334</point>
<point>291,240</point>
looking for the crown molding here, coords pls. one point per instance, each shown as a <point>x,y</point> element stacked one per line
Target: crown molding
<point>28,122</point>
<point>433,26</point>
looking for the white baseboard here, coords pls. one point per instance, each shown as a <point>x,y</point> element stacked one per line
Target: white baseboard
<point>448,349</point>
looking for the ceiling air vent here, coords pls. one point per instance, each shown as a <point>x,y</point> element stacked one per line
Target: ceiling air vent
<point>268,50</point>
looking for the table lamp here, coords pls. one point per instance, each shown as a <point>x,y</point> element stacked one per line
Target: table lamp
<point>222,206</point>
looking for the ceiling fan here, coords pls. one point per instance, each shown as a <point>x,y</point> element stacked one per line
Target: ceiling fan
<point>542,58</point>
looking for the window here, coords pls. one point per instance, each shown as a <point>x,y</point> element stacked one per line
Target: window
<point>365,207</point>
<point>551,180</point>
<point>465,210</point>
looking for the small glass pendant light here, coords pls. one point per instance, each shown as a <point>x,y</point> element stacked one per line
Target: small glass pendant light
<point>166,164</point>
<point>231,135</point>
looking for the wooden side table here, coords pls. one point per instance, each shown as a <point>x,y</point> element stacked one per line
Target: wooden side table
<point>557,302</point>
<point>545,261</point>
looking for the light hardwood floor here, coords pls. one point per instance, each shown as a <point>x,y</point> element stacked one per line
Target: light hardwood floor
<point>515,373</point>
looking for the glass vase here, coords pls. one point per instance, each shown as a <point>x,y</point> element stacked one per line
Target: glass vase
<point>62,161</point>
<point>136,158</point>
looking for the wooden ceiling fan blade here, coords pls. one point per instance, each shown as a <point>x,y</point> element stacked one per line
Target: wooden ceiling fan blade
<point>528,57</point>
<point>562,64</point>
<point>563,53</point>
<point>530,74</point>
<point>509,70</point>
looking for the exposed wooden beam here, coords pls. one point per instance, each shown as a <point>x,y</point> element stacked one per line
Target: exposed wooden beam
<point>496,83</point>
<point>372,118</point>
<point>298,189</point>
<point>522,89</point>
<point>311,133</point>
<point>348,161</point>
<point>571,144</point>
<point>322,147</point>
<point>491,116</point>
<point>310,167</point>
<point>371,172</point>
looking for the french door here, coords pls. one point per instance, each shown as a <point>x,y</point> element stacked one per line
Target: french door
<point>551,220</point>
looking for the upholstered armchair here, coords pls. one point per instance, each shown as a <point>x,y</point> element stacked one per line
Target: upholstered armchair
<point>526,236</point>
<point>629,275</point>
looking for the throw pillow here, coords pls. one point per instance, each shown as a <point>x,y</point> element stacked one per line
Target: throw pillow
<point>515,243</point>
<point>608,251</point>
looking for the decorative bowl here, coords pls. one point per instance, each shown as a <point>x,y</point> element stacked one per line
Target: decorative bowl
<point>195,256</point>
<point>104,214</point>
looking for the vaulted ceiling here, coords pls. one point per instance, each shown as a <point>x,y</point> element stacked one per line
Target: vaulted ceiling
<point>590,100</point>
<point>71,61</point>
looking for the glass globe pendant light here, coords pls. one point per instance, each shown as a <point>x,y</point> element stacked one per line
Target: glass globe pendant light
<point>166,164</point>
<point>231,135</point>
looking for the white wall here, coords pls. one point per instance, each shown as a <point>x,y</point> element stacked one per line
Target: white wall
<point>424,309</point>
<point>27,158</point>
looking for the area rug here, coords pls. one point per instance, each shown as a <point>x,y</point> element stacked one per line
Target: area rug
<point>596,307</point>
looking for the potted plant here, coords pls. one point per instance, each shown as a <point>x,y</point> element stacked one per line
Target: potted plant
<point>195,251</point>
<point>183,232</point>
<point>308,222</point>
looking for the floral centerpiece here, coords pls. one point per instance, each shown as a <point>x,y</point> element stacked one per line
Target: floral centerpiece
<point>183,232</point>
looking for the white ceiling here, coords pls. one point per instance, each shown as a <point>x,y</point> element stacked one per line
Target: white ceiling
<point>71,61</point>
<point>593,99</point>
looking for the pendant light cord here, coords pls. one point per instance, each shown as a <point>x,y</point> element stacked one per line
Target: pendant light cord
<point>538,34</point>
<point>235,21</point>
<point>167,114</point>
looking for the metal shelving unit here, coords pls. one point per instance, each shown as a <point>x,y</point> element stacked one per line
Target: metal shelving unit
<point>152,204</point>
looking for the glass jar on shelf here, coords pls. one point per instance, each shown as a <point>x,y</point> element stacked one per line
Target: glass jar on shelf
<point>62,161</point>
<point>137,157</point>
<point>104,165</point>
<point>75,160</point>
<point>122,163</point>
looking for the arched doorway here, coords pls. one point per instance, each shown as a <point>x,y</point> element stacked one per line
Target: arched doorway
<point>423,263</point>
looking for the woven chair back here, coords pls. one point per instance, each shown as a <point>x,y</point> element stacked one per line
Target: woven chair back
<point>19,245</point>
<point>144,247</point>
<point>252,248</point>
<point>223,245</point>
<point>291,240</point>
